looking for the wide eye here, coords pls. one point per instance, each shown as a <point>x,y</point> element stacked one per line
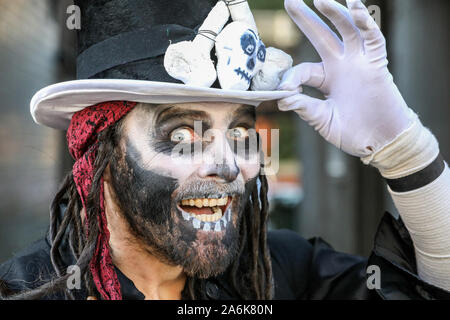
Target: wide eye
<point>184,135</point>
<point>238,133</point>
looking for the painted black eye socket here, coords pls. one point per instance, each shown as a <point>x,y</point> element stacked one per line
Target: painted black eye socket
<point>248,44</point>
<point>262,53</point>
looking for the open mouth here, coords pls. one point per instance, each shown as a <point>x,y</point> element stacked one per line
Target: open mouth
<point>208,209</point>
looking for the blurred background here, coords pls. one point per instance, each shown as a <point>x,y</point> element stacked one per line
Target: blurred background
<point>318,191</point>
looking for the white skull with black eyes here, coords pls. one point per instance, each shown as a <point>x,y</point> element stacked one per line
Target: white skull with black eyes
<point>241,55</point>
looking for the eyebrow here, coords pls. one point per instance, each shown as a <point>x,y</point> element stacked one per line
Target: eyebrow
<point>245,111</point>
<point>172,112</point>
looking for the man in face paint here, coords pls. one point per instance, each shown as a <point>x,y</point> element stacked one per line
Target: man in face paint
<point>170,219</point>
<point>181,218</point>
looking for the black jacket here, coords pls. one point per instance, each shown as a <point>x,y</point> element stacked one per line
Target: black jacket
<point>302,269</point>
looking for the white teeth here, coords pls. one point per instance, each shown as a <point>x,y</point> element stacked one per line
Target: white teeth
<point>216,217</point>
<point>203,202</point>
<point>209,218</point>
<point>199,203</point>
<point>196,223</point>
<point>185,215</point>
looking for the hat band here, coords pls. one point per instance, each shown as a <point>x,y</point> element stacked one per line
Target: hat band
<point>129,47</point>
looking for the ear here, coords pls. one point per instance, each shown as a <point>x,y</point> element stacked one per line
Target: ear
<point>109,195</point>
<point>107,175</point>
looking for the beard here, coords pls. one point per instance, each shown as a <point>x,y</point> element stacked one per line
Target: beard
<point>150,204</point>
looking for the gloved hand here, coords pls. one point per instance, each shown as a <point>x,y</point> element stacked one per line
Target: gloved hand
<point>363,110</point>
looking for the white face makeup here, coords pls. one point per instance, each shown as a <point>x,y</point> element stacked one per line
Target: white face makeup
<point>189,214</point>
<point>241,55</point>
<point>176,123</point>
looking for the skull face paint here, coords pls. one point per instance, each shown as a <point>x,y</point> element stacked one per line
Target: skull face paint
<point>241,55</point>
<point>154,193</point>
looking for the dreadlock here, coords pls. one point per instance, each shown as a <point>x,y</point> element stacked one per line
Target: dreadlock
<point>68,226</point>
<point>250,274</point>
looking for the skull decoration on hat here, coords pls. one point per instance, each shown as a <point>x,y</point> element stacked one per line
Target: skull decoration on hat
<point>190,61</point>
<point>242,58</point>
<point>241,55</point>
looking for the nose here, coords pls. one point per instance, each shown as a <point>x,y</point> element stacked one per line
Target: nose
<point>219,160</point>
<point>251,64</point>
<point>226,172</point>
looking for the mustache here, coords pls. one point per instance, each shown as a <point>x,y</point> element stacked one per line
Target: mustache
<point>208,189</point>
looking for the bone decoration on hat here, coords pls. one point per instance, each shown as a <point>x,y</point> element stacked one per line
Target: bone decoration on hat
<point>240,11</point>
<point>271,74</point>
<point>190,61</point>
<point>241,54</point>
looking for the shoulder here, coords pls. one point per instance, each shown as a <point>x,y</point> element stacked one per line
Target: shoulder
<point>284,244</point>
<point>291,260</point>
<point>28,268</point>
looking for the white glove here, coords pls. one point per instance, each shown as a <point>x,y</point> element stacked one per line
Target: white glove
<point>363,111</point>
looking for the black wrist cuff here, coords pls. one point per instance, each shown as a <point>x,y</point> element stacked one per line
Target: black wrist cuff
<point>418,179</point>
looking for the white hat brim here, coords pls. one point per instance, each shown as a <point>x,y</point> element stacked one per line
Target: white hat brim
<point>53,106</point>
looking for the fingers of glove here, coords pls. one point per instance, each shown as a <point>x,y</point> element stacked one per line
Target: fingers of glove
<point>340,17</point>
<point>374,41</point>
<point>313,111</point>
<point>309,74</point>
<point>317,113</point>
<point>298,102</point>
<point>321,36</point>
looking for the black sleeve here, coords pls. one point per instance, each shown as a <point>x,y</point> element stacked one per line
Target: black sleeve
<point>394,253</point>
<point>28,269</point>
<point>335,275</point>
<point>314,270</point>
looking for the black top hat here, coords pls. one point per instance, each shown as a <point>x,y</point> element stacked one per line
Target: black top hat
<point>127,39</point>
<point>121,49</point>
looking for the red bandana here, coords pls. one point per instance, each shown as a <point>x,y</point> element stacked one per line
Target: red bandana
<point>83,144</point>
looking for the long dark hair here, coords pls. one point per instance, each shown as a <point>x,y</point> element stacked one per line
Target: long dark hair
<point>250,275</point>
